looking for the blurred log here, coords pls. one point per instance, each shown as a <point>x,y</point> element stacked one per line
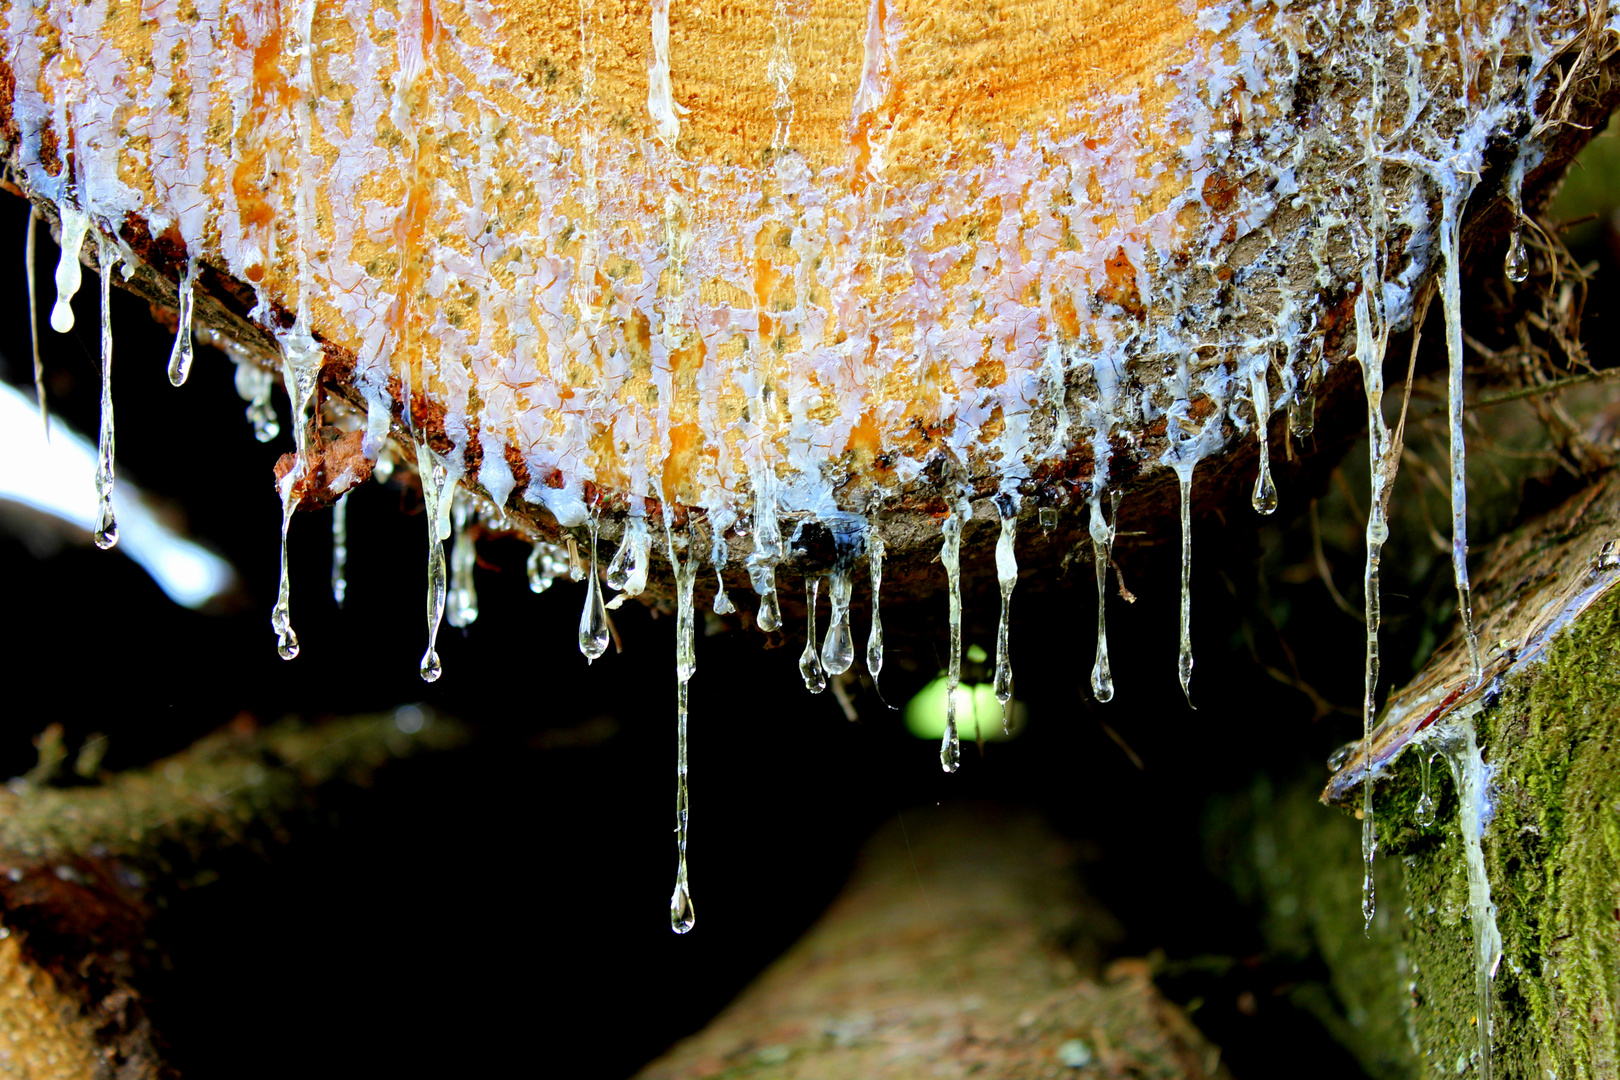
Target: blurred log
<point>963,945</point>
<point>84,870</point>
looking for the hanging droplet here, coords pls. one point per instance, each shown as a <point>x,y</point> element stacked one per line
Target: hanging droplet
<point>770,609</point>
<point>874,637</point>
<point>1007,576</point>
<point>461,608</point>
<point>815,676</point>
<point>627,570</point>
<point>547,563</point>
<point>253,385</point>
<point>1184,660</point>
<point>593,626</point>
<point>1424,812</point>
<point>681,915</point>
<point>433,476</point>
<point>1049,518</point>
<point>180,356</point>
<point>719,553</point>
<point>340,549</point>
<point>950,556</point>
<point>1265,492</point>
<point>106,526</point>
<point>838,650</point>
<point>69,273</point>
<point>1302,414</point>
<point>33,319</point>
<point>300,369</point>
<point>1517,261</point>
<point>1102,542</point>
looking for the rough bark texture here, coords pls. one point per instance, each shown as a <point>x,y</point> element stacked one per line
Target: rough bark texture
<point>84,869</point>
<point>963,946</point>
<point>1547,723</point>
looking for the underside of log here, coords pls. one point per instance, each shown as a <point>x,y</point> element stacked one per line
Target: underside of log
<point>84,870</point>
<point>962,946</point>
<point>835,264</point>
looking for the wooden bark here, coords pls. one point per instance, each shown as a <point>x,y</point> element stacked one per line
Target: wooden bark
<point>1546,717</point>
<point>962,946</point>
<point>837,244</point>
<point>83,871</point>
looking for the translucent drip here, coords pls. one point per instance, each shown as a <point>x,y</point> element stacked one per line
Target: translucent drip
<point>547,563</point>
<point>433,475</point>
<point>1471,776</point>
<point>340,549</point>
<point>681,915</point>
<point>106,526</point>
<point>1265,492</point>
<point>770,609</point>
<point>33,318</point>
<point>1370,355</point>
<point>593,627</point>
<point>1184,659</point>
<point>1451,296</point>
<point>461,609</point>
<point>719,555</point>
<point>627,570</point>
<point>300,371</point>
<point>767,549</point>
<point>838,650</point>
<point>69,273</point>
<point>950,554</point>
<point>1424,813</point>
<point>1516,263</point>
<point>874,636</point>
<point>815,676</point>
<point>180,355</point>
<point>253,385</point>
<point>1007,577</point>
<point>1102,542</point>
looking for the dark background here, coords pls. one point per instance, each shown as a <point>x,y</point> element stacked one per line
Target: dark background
<point>506,906</point>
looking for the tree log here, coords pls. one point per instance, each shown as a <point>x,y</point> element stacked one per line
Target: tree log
<point>962,945</point>
<point>1530,751</point>
<point>776,265</point>
<point>84,870</point>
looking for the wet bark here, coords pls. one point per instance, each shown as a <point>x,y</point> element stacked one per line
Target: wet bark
<point>1547,718</point>
<point>84,871</point>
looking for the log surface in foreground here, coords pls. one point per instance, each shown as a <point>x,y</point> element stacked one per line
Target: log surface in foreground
<point>963,946</point>
<point>83,871</point>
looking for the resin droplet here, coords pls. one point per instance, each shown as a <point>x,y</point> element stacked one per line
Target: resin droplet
<point>593,627</point>
<point>627,570</point>
<point>33,318</point>
<point>874,637</point>
<point>1184,659</point>
<point>815,676</point>
<point>950,555</point>
<point>1265,492</point>
<point>461,609</point>
<point>1007,577</point>
<point>838,651</point>
<point>770,609</point>
<point>681,916</point>
<point>1102,542</point>
<point>106,526</point>
<point>433,476</point>
<point>1451,296</point>
<point>253,385</point>
<point>69,273</point>
<point>1517,261</point>
<point>1424,812</point>
<point>547,563</point>
<point>180,356</point>
<point>340,549</point>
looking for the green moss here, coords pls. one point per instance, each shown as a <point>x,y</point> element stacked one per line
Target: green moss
<point>1402,997</point>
